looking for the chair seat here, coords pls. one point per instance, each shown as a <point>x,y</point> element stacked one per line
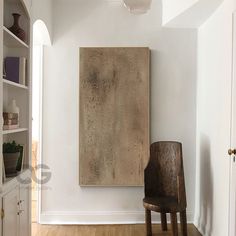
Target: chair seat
<point>162,204</point>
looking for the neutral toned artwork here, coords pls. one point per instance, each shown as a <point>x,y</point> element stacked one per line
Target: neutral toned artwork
<point>114,116</point>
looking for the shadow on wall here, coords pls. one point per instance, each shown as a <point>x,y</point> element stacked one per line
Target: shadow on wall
<point>196,15</point>
<point>206,188</point>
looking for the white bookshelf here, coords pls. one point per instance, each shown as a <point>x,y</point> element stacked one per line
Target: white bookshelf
<point>14,47</point>
<point>11,189</point>
<point>16,85</point>
<point>13,131</point>
<point>11,40</point>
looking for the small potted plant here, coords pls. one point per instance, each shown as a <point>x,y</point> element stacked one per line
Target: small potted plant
<point>11,154</point>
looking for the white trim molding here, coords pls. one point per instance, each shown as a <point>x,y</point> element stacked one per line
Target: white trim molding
<point>99,217</point>
<point>202,228</point>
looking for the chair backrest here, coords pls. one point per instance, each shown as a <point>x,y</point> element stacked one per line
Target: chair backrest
<point>164,174</point>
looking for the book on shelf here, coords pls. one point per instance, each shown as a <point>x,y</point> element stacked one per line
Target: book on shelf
<point>15,69</point>
<point>4,71</point>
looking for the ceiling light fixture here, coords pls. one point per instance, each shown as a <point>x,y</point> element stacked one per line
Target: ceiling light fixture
<point>138,6</point>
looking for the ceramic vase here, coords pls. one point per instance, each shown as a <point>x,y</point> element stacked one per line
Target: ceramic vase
<point>13,108</point>
<point>16,29</point>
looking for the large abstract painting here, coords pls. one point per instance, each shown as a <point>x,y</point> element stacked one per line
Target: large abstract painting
<point>114,116</point>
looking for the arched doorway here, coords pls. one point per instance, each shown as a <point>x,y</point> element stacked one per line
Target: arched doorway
<point>41,38</point>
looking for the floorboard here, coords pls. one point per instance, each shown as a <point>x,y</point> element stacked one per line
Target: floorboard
<point>103,230</point>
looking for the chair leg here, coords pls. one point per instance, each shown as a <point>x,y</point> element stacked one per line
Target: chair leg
<point>163,222</point>
<point>183,221</point>
<point>148,219</point>
<point>174,224</point>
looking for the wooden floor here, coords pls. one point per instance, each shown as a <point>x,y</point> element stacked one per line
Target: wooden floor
<point>103,230</point>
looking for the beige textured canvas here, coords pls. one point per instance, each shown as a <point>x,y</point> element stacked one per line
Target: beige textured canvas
<point>114,116</point>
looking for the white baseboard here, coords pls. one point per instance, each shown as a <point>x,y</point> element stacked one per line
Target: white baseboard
<point>99,217</point>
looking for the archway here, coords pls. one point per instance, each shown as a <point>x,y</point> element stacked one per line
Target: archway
<point>41,38</point>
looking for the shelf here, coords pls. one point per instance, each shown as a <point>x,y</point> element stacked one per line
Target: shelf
<point>8,179</point>
<point>8,82</point>
<point>12,40</point>
<point>12,131</point>
<point>10,182</point>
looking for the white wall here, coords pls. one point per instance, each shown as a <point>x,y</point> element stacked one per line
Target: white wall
<point>172,9</point>
<point>42,10</point>
<point>36,76</point>
<point>78,23</point>
<point>28,4</point>
<point>196,15</point>
<point>213,122</point>
<point>173,106</point>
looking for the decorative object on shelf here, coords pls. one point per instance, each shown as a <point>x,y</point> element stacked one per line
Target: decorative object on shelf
<point>13,108</point>
<point>15,69</point>
<point>11,116</point>
<point>138,6</point>
<point>10,120</point>
<point>16,29</point>
<point>11,155</point>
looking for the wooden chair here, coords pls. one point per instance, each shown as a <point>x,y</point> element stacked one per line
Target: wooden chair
<point>165,187</point>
